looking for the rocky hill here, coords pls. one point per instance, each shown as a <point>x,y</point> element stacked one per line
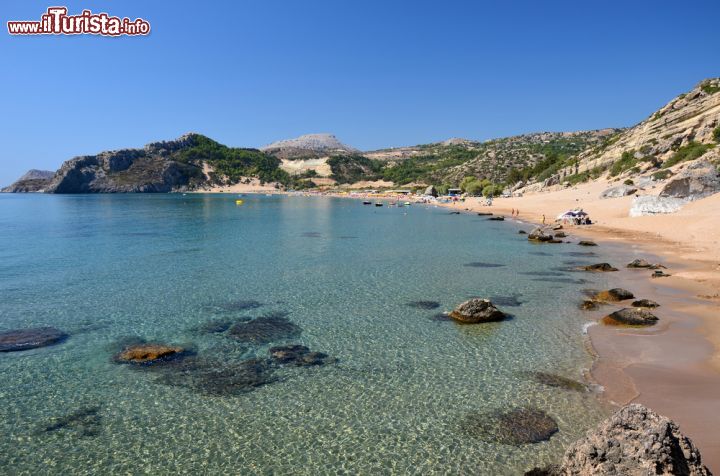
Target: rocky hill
<point>33,180</point>
<point>163,167</point>
<point>308,146</point>
<point>685,129</point>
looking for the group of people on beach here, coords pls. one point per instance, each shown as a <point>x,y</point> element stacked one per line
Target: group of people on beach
<point>515,212</point>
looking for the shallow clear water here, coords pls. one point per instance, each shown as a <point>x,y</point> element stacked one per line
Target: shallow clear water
<point>107,267</point>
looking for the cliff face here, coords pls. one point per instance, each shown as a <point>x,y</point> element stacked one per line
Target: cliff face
<point>154,168</point>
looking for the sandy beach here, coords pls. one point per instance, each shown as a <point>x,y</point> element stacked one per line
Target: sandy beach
<point>674,367</point>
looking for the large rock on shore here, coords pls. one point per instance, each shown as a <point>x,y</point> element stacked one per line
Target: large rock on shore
<point>699,179</point>
<point>632,317</point>
<point>634,441</point>
<point>25,339</point>
<point>475,311</point>
<point>652,205</point>
<point>619,191</point>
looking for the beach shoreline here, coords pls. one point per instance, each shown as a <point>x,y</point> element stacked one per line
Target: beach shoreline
<point>673,367</point>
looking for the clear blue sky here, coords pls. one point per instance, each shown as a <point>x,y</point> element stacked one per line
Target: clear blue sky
<point>375,73</point>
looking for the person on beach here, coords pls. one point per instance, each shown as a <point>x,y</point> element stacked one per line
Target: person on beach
<point>543,219</point>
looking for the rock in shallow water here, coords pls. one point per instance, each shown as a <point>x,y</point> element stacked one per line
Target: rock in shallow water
<point>86,422</point>
<point>519,426</point>
<point>631,317</point>
<point>298,355</point>
<point>475,311</point>
<point>613,295</point>
<point>427,305</point>
<point>25,339</point>
<point>587,243</point>
<point>265,329</point>
<point>599,267</point>
<point>558,381</point>
<point>645,303</point>
<point>148,354</point>
<point>217,378</point>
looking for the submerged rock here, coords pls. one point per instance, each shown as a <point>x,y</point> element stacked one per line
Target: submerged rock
<point>427,305</point>
<point>86,422</point>
<point>554,380</point>
<point>265,329</point>
<point>240,305</point>
<point>599,267</point>
<point>522,232</point>
<point>511,301</point>
<point>497,218</point>
<point>631,317</point>
<point>519,426</point>
<point>645,303</point>
<point>480,264</point>
<point>475,311</point>
<point>217,378</point>
<point>25,339</point>
<point>297,355</point>
<point>586,243</point>
<point>634,441</point>
<point>560,234</point>
<point>614,295</point>
<point>148,354</point>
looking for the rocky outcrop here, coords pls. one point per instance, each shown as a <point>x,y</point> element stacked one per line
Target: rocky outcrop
<point>619,191</point>
<point>32,181</point>
<point>129,170</point>
<point>652,205</point>
<point>432,191</point>
<point>475,311</point>
<point>634,441</point>
<point>690,117</point>
<point>25,339</point>
<point>699,179</point>
<point>631,316</point>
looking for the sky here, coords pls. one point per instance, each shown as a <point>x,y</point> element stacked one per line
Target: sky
<point>375,73</point>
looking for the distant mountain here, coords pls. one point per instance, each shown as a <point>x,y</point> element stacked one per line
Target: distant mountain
<point>33,180</point>
<point>308,146</point>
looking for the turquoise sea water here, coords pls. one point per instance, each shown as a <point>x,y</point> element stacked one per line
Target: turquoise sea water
<point>105,268</point>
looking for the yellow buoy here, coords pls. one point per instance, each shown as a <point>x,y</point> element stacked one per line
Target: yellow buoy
<point>238,202</point>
